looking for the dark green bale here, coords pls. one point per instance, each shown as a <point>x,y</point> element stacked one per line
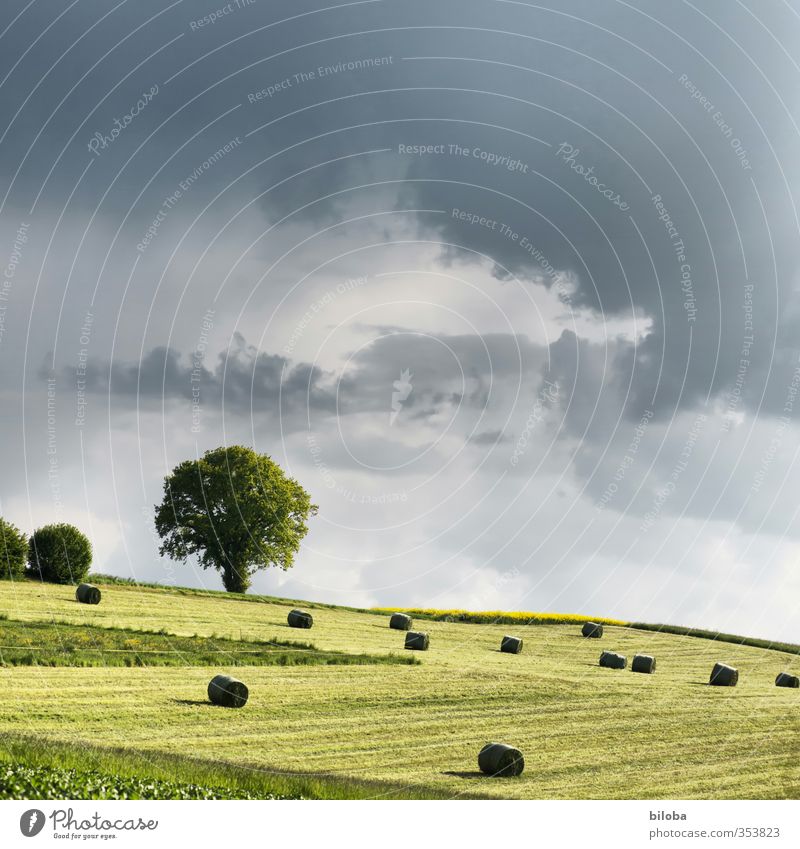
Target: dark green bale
<point>723,675</point>
<point>227,692</point>
<point>612,660</point>
<point>643,663</point>
<point>784,679</point>
<point>87,594</point>
<point>500,760</point>
<point>511,645</point>
<point>300,619</point>
<point>417,640</point>
<point>592,629</point>
<point>400,622</point>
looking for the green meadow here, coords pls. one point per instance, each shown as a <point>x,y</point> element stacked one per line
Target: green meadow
<point>355,721</point>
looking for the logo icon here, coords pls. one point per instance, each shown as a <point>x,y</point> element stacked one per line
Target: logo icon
<point>402,389</point>
<point>31,822</point>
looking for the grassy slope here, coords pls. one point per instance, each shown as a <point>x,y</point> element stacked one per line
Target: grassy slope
<point>586,732</point>
<point>37,768</point>
<point>60,644</point>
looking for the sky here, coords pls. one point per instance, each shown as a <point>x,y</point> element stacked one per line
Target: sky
<point>512,289</point>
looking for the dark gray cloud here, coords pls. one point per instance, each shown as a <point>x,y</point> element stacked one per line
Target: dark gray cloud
<point>444,373</point>
<point>242,380</point>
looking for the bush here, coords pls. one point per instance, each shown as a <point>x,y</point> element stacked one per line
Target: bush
<point>13,550</point>
<point>60,554</point>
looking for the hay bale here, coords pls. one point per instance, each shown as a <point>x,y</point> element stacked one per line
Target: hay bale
<point>643,663</point>
<point>87,594</point>
<point>300,619</point>
<point>400,622</point>
<point>592,629</point>
<point>512,645</point>
<point>612,660</point>
<point>228,692</point>
<point>417,640</point>
<point>723,675</point>
<point>784,679</point>
<point>501,760</point>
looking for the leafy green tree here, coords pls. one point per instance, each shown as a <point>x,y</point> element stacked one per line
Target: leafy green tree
<point>13,550</point>
<point>236,510</point>
<point>59,553</point>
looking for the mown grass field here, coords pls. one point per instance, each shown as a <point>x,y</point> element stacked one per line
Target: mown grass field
<point>62,644</point>
<point>586,732</point>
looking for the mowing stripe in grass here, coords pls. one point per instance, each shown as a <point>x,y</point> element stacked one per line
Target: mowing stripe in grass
<point>681,631</point>
<point>67,771</point>
<point>61,644</point>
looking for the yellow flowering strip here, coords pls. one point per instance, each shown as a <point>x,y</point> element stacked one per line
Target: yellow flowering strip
<point>484,617</point>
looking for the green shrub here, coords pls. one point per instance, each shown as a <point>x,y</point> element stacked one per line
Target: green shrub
<point>13,550</point>
<point>60,554</point>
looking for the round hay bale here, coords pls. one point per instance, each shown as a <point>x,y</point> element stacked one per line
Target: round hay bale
<point>417,640</point>
<point>723,675</point>
<point>228,692</point>
<point>87,594</point>
<point>592,629</point>
<point>400,622</point>
<point>300,619</point>
<point>500,760</point>
<point>612,660</point>
<point>784,679</point>
<point>512,645</point>
<point>643,663</point>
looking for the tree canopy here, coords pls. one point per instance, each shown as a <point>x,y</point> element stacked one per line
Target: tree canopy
<point>236,510</point>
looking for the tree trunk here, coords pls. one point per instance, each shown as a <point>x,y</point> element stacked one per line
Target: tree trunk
<point>235,578</point>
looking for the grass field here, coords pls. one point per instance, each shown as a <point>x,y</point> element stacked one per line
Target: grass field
<point>63,644</point>
<point>399,730</point>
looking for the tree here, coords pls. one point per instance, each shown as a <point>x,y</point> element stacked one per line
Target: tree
<point>236,510</point>
<point>59,553</point>
<point>13,550</point>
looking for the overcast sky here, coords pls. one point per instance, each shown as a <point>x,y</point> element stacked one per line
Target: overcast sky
<point>512,289</point>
